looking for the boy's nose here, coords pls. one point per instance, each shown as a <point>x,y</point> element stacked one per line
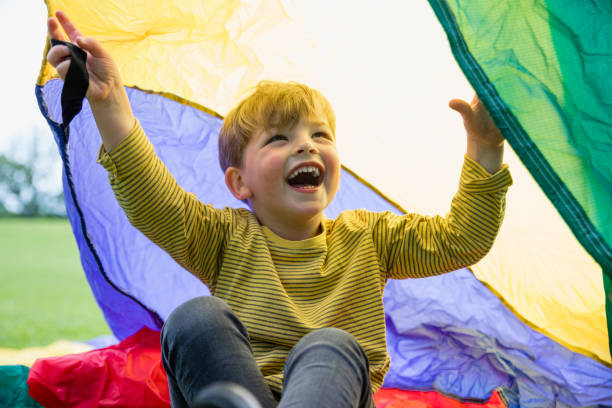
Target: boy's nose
<point>306,147</point>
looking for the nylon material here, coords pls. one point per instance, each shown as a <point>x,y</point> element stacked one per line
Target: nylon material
<point>531,83</point>
<point>585,55</point>
<point>208,46</point>
<point>52,101</point>
<point>128,374</point>
<point>127,254</point>
<point>390,398</point>
<point>287,50</point>
<point>123,255</point>
<point>547,74</point>
<point>13,387</point>
<point>525,249</point>
<point>113,304</point>
<point>566,298</point>
<point>515,272</point>
<point>445,342</point>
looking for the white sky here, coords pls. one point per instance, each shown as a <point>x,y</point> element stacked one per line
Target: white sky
<point>23,30</point>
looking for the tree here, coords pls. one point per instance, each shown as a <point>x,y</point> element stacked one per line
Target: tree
<point>27,187</point>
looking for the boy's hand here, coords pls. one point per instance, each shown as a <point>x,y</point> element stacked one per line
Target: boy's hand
<point>106,95</point>
<point>103,74</point>
<point>485,143</point>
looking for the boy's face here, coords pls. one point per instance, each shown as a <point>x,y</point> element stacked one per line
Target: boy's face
<point>292,174</point>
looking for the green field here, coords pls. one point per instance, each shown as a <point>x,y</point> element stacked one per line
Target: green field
<point>44,295</point>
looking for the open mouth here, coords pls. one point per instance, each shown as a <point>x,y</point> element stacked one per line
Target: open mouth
<point>306,177</point>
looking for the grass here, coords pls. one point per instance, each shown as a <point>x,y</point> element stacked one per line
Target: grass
<point>44,295</point>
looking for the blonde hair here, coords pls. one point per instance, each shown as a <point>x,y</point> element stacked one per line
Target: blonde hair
<point>271,105</point>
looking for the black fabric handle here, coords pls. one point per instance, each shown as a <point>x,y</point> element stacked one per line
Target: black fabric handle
<point>75,84</point>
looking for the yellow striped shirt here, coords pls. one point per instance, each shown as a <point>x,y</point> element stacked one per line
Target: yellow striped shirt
<point>282,290</point>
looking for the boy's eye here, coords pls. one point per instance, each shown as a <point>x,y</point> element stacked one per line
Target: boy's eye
<point>321,134</point>
<point>276,138</point>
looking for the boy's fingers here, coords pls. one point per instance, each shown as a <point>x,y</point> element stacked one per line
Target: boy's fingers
<point>54,29</point>
<point>70,29</point>
<point>57,54</point>
<point>461,106</point>
<point>92,46</point>
<point>59,58</point>
<point>62,68</point>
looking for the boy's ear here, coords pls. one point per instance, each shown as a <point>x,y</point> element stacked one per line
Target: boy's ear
<point>236,184</point>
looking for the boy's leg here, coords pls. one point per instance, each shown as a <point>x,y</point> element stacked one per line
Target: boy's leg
<point>204,342</point>
<point>327,368</point>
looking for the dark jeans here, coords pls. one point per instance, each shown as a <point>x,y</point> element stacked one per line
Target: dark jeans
<point>204,342</point>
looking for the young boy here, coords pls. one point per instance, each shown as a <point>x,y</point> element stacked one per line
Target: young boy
<point>296,316</point>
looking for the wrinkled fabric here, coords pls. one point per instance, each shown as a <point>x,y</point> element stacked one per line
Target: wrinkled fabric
<point>519,56</point>
<point>128,374</point>
<point>388,85</point>
<point>492,339</point>
<point>542,69</point>
<point>14,389</point>
<point>448,343</point>
<point>396,398</point>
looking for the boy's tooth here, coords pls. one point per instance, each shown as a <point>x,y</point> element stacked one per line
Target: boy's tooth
<point>305,169</point>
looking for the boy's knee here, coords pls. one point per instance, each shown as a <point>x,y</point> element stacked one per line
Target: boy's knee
<point>331,340</point>
<point>330,335</point>
<point>197,315</point>
<point>332,348</point>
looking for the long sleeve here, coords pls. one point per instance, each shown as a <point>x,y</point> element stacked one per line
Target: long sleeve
<point>418,246</point>
<point>191,232</point>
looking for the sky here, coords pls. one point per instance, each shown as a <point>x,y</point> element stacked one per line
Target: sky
<point>23,28</point>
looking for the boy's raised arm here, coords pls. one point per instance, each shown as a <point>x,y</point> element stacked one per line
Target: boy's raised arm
<point>425,246</point>
<point>150,197</point>
<point>106,94</point>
